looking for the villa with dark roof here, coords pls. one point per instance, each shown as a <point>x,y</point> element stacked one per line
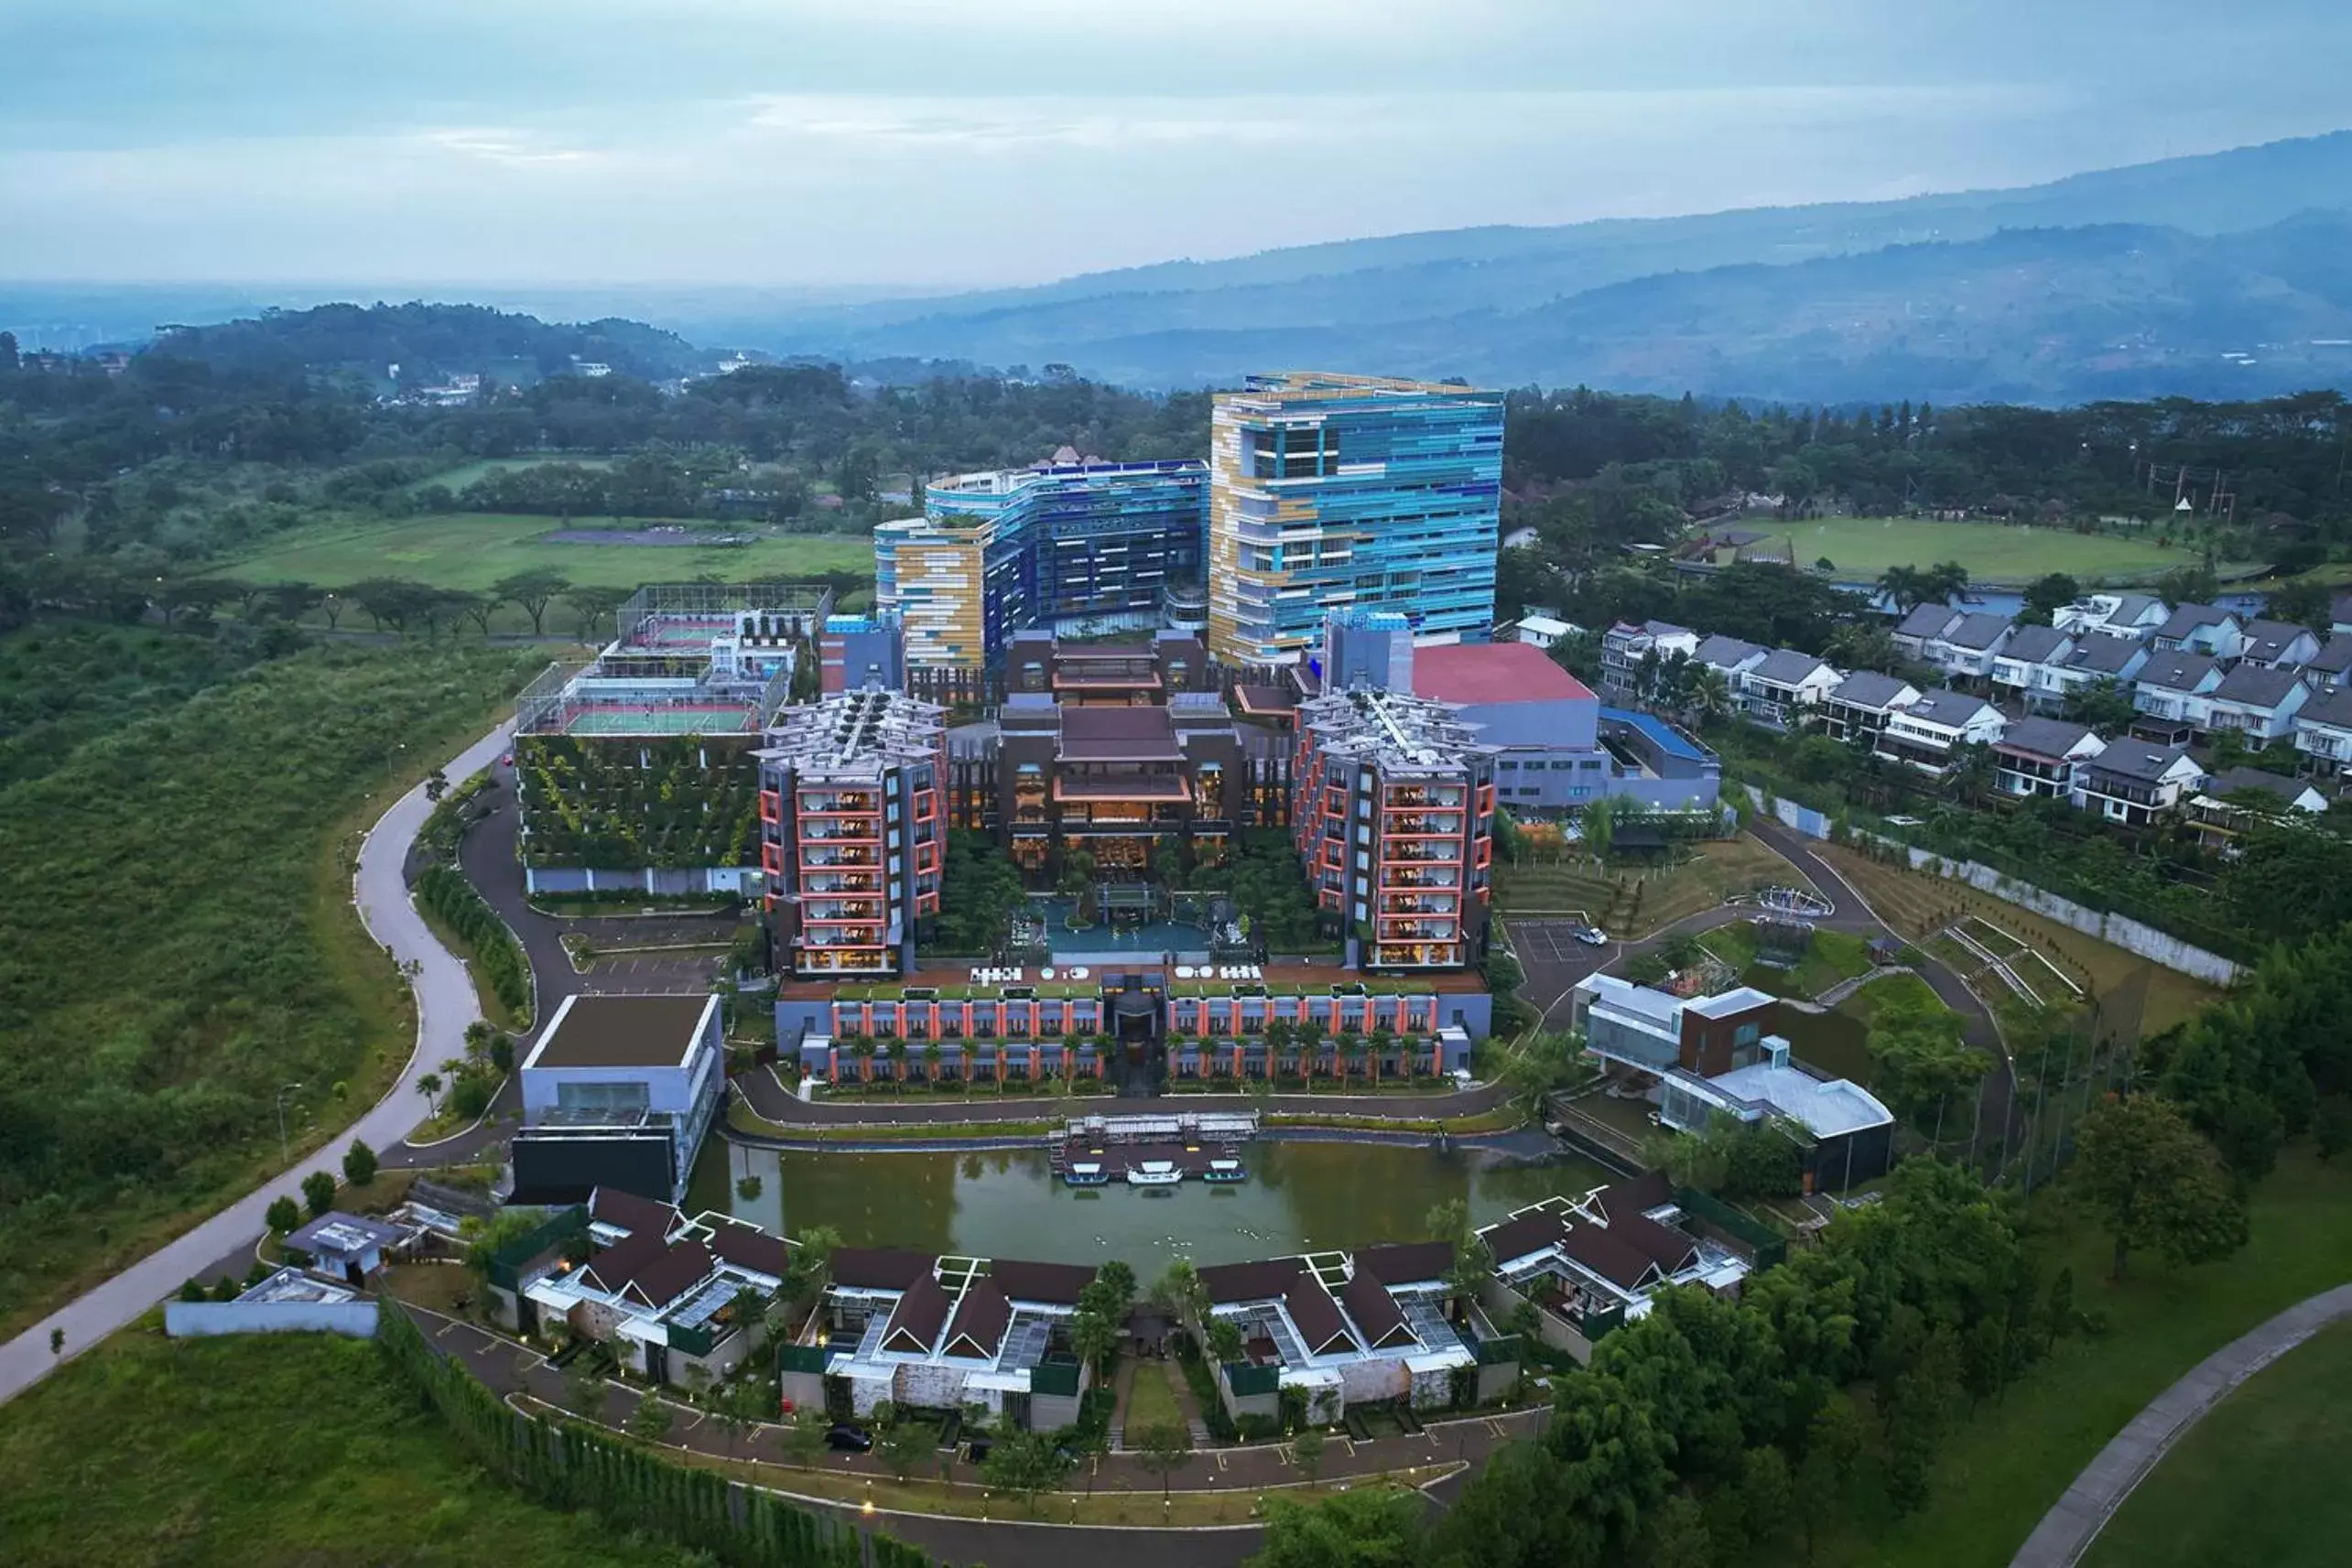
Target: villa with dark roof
<point>1590,1266</point>
<point>1371,1328</point>
<point>944,1333</point>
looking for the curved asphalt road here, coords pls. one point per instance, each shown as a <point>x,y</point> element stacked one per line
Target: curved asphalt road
<point>446,1004</point>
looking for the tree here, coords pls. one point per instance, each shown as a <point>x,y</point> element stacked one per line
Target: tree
<point>359,1164</point>
<point>1022,1463</point>
<point>1598,823</point>
<point>1306,1451</point>
<point>2100,705</point>
<point>2157,1184</point>
<point>318,1193</point>
<point>653,1417</point>
<point>592,606</point>
<point>2045,596</point>
<point>1163,1450</point>
<point>1675,1534</point>
<point>1922,1398</point>
<point>2302,602</point>
<point>1905,588</point>
<point>2058,1311</point>
<point>585,1391</point>
<point>1366,1527</point>
<point>429,1086</point>
<point>901,1445</point>
<point>283,1216</point>
<point>1833,1445</point>
<point>1921,1056</point>
<point>1093,1336</point>
<point>532,590</point>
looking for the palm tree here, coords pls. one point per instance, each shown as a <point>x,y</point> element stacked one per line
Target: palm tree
<point>862,1046</point>
<point>429,1086</point>
<point>1905,588</point>
<point>896,1051</point>
<point>1383,1039</point>
<point>1710,693</point>
<point>931,1055</point>
<point>1348,1051</point>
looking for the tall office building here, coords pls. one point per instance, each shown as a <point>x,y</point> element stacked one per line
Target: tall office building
<point>1335,490</point>
<point>1080,545</point>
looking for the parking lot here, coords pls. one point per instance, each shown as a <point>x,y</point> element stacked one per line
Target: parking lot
<point>1555,961</point>
<point>683,954</point>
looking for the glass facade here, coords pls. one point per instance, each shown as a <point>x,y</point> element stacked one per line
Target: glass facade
<point>1329,490</point>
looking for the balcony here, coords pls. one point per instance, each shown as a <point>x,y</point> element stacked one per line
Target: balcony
<point>1421,905</point>
<point>1415,798</point>
<point>834,804</point>
<point>1425,826</point>
<point>1412,879</point>
<point>821,858</point>
<point>1416,852</point>
<point>843,834</point>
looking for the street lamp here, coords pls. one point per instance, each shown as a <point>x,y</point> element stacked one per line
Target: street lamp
<point>285,1152</point>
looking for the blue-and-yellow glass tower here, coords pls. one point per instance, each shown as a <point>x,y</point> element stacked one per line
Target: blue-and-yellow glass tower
<point>1332,491</point>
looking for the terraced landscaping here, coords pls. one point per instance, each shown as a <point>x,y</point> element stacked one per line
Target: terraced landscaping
<point>1629,899</point>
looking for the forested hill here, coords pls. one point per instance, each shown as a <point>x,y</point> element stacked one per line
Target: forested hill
<point>2207,278</point>
<point>430,344</point>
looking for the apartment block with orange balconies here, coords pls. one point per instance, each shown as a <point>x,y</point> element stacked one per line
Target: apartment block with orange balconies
<point>853,831</point>
<point>1393,810</point>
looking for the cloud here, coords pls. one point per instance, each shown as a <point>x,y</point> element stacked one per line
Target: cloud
<point>507,148</point>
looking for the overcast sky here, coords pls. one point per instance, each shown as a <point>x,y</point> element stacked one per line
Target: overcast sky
<point>956,142</point>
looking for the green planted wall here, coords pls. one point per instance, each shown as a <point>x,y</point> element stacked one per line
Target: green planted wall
<point>623,803</point>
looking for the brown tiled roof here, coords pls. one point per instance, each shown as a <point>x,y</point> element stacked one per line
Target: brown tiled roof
<point>749,1247</point>
<point>916,1322</point>
<point>1118,734</point>
<point>613,1267</point>
<point>1663,1245</point>
<point>1249,1281</point>
<point>1059,1284</point>
<point>1316,1314</point>
<point>879,1267</point>
<point>681,1267</point>
<point>1647,1191</point>
<point>611,1205</point>
<point>1407,1262</point>
<point>1608,1254</point>
<point>1375,1311</point>
<point>980,1319</point>
<point>1518,1238</point>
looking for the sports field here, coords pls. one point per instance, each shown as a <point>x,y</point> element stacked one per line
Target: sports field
<point>473,549</point>
<point>1859,548</point>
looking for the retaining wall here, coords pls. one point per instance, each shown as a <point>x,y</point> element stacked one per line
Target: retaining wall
<point>200,1320</point>
<point>2133,936</point>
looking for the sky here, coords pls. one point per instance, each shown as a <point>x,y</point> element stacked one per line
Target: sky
<point>875,144</point>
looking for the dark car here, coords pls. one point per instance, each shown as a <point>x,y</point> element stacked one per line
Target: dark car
<point>978,1450</point>
<point>844,1438</point>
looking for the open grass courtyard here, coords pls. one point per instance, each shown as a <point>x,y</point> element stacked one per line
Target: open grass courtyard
<point>471,550</point>
<point>2238,1491</point>
<point>1859,548</point>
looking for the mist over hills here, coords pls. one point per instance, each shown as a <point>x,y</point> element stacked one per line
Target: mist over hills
<point>2217,276</point>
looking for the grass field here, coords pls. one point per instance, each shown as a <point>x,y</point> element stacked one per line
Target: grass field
<point>2002,1467</point>
<point>1716,870</point>
<point>1916,904</point>
<point>1151,1401</point>
<point>473,549</point>
<point>456,479</point>
<point>1859,548</point>
<point>279,1449</point>
<point>2238,1491</point>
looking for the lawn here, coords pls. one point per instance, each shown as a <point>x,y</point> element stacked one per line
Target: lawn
<point>1152,1401</point>
<point>284,1449</point>
<point>473,549</point>
<point>1916,904</point>
<point>2238,1491</point>
<point>1859,548</point>
<point>177,941</point>
<point>455,480</point>
<point>1632,899</point>
<point>2002,1468</point>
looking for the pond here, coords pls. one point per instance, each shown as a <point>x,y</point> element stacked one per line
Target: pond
<point>1007,1204</point>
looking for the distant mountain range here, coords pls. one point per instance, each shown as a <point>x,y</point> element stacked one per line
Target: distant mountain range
<point>2217,277</point>
<point>2220,276</point>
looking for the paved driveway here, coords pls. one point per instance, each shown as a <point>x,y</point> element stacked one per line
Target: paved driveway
<point>446,1004</point>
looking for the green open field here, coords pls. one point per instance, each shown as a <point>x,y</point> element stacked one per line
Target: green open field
<point>456,479</point>
<point>2239,1490</point>
<point>273,1449</point>
<point>1859,548</point>
<point>2004,1464</point>
<point>473,549</point>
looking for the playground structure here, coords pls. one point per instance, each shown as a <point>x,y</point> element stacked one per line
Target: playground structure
<point>1794,903</point>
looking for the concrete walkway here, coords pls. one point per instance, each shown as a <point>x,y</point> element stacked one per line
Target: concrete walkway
<point>446,1004</point>
<point>2066,1532</point>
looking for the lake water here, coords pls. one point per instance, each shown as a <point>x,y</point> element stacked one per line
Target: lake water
<point>1300,1196</point>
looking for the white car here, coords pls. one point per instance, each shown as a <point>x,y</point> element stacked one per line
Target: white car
<point>1590,935</point>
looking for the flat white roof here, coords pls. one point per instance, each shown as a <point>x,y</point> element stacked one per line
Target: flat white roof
<point>1826,1107</point>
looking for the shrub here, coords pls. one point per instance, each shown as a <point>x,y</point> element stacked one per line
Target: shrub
<point>359,1164</point>
<point>283,1216</point>
<point>318,1193</point>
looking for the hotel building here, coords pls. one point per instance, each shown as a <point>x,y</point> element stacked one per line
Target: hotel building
<point>1329,490</point>
<point>853,831</point>
<point>1083,546</point>
<point>1393,811</point>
